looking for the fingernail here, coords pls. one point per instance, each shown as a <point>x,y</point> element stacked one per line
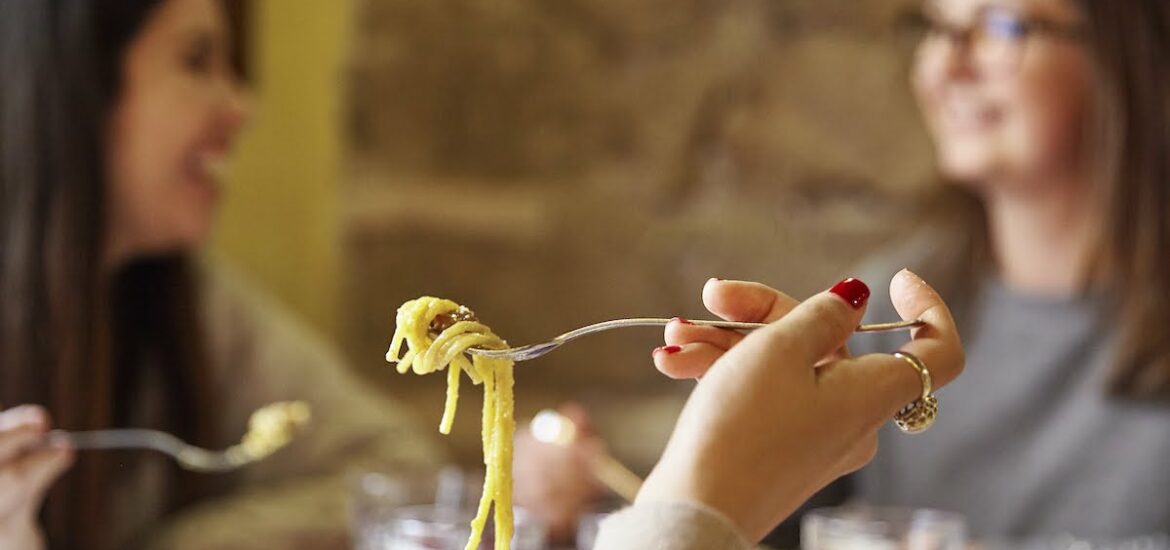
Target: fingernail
<point>669,350</point>
<point>682,320</point>
<point>853,291</point>
<point>714,279</point>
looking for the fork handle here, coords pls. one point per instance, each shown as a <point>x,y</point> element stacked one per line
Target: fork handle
<point>736,325</point>
<point>190,457</point>
<point>874,327</point>
<point>117,439</point>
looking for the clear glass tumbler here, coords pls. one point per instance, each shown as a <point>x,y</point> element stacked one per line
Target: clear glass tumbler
<point>881,528</point>
<point>427,511</point>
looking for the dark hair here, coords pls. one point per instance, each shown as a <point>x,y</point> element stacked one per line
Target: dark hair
<point>1129,137</point>
<point>73,338</point>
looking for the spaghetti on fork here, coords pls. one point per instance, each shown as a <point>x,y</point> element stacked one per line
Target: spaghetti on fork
<point>437,334</point>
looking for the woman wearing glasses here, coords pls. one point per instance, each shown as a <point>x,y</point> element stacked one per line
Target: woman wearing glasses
<point>1051,119</point>
<point>1051,123</point>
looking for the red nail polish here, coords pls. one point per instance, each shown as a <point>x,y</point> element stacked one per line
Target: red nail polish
<point>853,291</point>
<point>668,349</point>
<point>682,320</point>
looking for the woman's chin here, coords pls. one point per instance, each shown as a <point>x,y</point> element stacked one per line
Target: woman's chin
<point>966,166</point>
<point>187,238</point>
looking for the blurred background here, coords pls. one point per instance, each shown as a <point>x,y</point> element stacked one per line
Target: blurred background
<point>554,164</point>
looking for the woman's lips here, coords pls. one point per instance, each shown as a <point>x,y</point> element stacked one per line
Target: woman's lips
<point>209,167</point>
<point>206,172</point>
<point>967,117</point>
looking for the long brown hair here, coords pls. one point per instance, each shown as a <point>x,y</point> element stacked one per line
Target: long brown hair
<point>73,337</point>
<point>1129,138</point>
<point>1130,41</point>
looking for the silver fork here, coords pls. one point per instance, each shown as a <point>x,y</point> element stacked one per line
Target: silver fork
<point>269,428</point>
<point>188,456</point>
<point>532,351</point>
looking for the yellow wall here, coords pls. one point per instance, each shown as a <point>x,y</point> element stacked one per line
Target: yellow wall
<point>280,221</point>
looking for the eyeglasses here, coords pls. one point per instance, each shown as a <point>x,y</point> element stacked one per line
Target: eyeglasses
<point>994,40</point>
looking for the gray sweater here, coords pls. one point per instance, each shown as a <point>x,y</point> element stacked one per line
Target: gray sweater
<point>1027,443</point>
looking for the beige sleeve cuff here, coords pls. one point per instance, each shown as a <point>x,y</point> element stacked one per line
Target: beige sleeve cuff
<point>669,526</point>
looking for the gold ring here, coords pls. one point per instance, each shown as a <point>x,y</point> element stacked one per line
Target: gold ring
<point>919,414</point>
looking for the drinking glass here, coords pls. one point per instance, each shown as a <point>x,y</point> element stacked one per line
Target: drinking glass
<point>427,511</point>
<point>1069,542</point>
<point>587,529</point>
<point>882,528</point>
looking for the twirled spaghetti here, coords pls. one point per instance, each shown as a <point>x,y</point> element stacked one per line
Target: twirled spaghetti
<point>270,428</point>
<point>425,353</point>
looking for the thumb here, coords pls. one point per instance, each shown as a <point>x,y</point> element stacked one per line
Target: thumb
<point>938,340</point>
<point>823,323</point>
<point>880,383</point>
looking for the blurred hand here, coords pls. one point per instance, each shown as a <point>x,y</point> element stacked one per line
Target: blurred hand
<point>27,469</point>
<point>781,412</point>
<point>556,482</point>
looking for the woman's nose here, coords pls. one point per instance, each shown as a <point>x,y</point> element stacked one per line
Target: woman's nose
<point>947,60</point>
<point>238,106</point>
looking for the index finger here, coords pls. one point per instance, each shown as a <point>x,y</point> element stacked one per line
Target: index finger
<point>746,301</point>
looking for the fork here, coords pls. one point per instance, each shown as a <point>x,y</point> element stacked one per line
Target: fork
<point>190,457</point>
<point>269,428</point>
<point>532,351</point>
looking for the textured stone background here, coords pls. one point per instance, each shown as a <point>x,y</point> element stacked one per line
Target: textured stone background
<point>556,163</point>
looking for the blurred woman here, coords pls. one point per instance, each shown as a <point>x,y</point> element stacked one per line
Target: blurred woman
<point>1051,121</point>
<point>115,120</point>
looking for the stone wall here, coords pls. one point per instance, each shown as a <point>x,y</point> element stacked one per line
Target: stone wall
<point>556,163</point>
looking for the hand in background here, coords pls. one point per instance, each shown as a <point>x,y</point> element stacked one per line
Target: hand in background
<point>556,482</point>
<point>27,470</point>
